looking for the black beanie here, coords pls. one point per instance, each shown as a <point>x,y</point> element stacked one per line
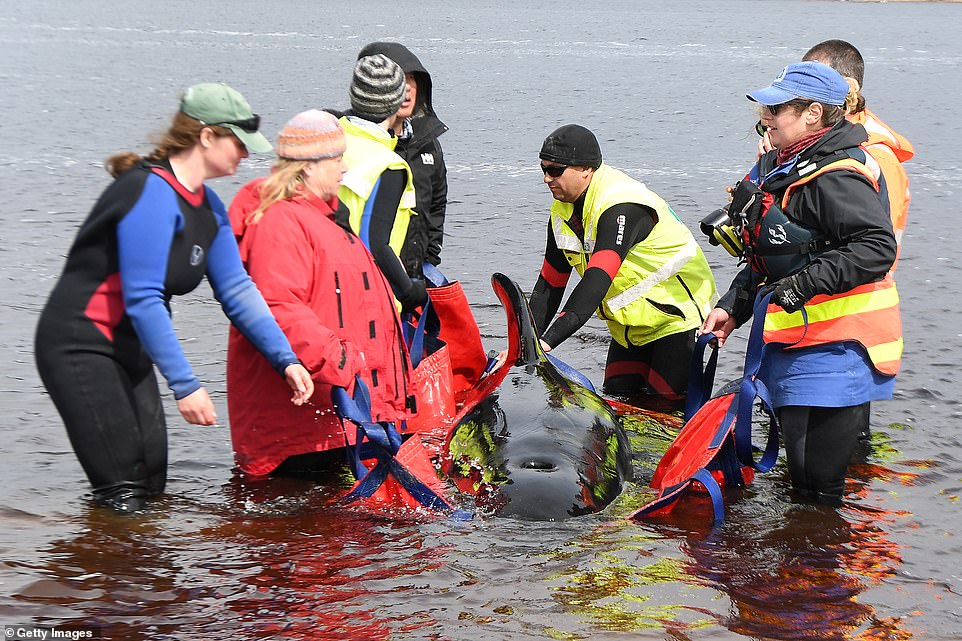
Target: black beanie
<point>572,145</point>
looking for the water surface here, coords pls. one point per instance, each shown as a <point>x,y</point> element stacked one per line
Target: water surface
<point>662,84</point>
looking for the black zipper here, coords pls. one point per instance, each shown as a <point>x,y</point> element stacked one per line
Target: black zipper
<point>691,297</point>
<point>337,292</point>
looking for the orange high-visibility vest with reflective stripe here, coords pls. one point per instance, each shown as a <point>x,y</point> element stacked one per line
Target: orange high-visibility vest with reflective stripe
<point>868,314</point>
<point>890,150</point>
<point>850,164</point>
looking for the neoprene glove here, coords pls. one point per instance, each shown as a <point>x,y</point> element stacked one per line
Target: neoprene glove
<point>416,296</point>
<point>792,292</point>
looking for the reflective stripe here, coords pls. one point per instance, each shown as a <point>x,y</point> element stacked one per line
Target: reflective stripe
<point>887,355</point>
<point>868,314</point>
<point>845,163</point>
<point>357,182</point>
<point>872,126</point>
<point>667,270</point>
<point>832,308</point>
<point>564,240</point>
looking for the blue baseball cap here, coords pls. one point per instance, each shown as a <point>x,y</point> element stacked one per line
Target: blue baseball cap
<point>809,80</point>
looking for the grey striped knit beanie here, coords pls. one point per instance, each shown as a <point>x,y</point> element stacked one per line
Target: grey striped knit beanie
<point>377,88</point>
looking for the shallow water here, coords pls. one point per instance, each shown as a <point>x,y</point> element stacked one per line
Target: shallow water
<point>663,88</point>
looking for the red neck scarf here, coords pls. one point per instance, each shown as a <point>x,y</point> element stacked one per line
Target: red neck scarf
<point>797,147</point>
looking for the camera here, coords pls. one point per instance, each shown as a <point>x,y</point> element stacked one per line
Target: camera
<point>720,229</point>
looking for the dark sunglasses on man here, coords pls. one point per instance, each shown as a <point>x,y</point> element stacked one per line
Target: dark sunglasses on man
<point>554,171</point>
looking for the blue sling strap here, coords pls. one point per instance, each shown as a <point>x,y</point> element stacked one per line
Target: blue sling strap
<point>380,441</point>
<point>730,446</point>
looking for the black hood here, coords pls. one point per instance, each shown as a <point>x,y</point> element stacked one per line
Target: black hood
<point>424,114</point>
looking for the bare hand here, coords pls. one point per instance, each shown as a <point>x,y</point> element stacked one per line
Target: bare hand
<point>299,380</point>
<point>765,144</point>
<point>545,347</point>
<point>720,323</point>
<point>197,408</point>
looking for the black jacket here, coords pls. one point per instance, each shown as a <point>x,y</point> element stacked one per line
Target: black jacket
<point>423,153</point>
<point>845,208</point>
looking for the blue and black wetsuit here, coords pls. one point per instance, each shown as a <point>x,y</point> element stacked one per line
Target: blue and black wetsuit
<point>107,322</point>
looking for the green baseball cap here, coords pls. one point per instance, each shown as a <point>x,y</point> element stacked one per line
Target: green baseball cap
<point>214,103</point>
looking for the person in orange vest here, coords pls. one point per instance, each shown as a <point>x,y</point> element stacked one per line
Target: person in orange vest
<point>887,147</point>
<point>814,193</point>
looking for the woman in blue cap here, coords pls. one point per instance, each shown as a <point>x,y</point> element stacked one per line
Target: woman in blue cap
<point>156,231</point>
<point>817,234</point>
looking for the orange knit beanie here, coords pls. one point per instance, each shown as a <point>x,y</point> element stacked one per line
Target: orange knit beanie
<point>311,135</point>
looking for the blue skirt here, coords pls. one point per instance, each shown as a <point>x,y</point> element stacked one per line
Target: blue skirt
<point>833,375</point>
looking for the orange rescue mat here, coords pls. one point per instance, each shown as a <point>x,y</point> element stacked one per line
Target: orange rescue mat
<point>401,474</point>
<point>458,330</point>
<point>432,380</point>
<point>448,359</point>
<point>447,353</point>
<point>715,445</point>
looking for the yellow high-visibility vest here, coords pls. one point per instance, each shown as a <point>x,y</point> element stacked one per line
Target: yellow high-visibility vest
<point>664,285</point>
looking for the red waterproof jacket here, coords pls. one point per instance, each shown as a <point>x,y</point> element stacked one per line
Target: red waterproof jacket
<point>334,305</point>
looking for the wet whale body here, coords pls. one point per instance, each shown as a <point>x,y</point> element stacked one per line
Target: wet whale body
<point>542,446</point>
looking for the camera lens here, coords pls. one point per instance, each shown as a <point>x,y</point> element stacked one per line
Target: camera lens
<point>713,220</point>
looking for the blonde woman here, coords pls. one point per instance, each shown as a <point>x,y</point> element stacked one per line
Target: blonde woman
<point>328,296</point>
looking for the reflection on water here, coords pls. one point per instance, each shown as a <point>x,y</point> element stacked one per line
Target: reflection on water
<point>269,566</point>
<point>272,559</point>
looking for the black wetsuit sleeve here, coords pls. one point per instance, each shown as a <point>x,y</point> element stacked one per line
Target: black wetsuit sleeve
<point>545,299</point>
<point>739,300</point>
<point>383,214</point>
<point>620,228</point>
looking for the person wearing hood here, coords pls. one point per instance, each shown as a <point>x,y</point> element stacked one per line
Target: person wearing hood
<point>378,188</point>
<point>417,128</point>
<point>819,197</point>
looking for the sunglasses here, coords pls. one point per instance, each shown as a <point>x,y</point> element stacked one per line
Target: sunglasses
<point>250,125</point>
<point>798,104</point>
<point>554,171</point>
<point>760,129</point>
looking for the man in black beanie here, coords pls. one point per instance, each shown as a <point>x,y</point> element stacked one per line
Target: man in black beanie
<point>641,271</point>
<point>378,189</point>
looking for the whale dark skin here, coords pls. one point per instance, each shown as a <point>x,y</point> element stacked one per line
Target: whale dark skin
<point>541,446</point>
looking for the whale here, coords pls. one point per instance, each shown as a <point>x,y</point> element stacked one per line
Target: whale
<point>540,444</point>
